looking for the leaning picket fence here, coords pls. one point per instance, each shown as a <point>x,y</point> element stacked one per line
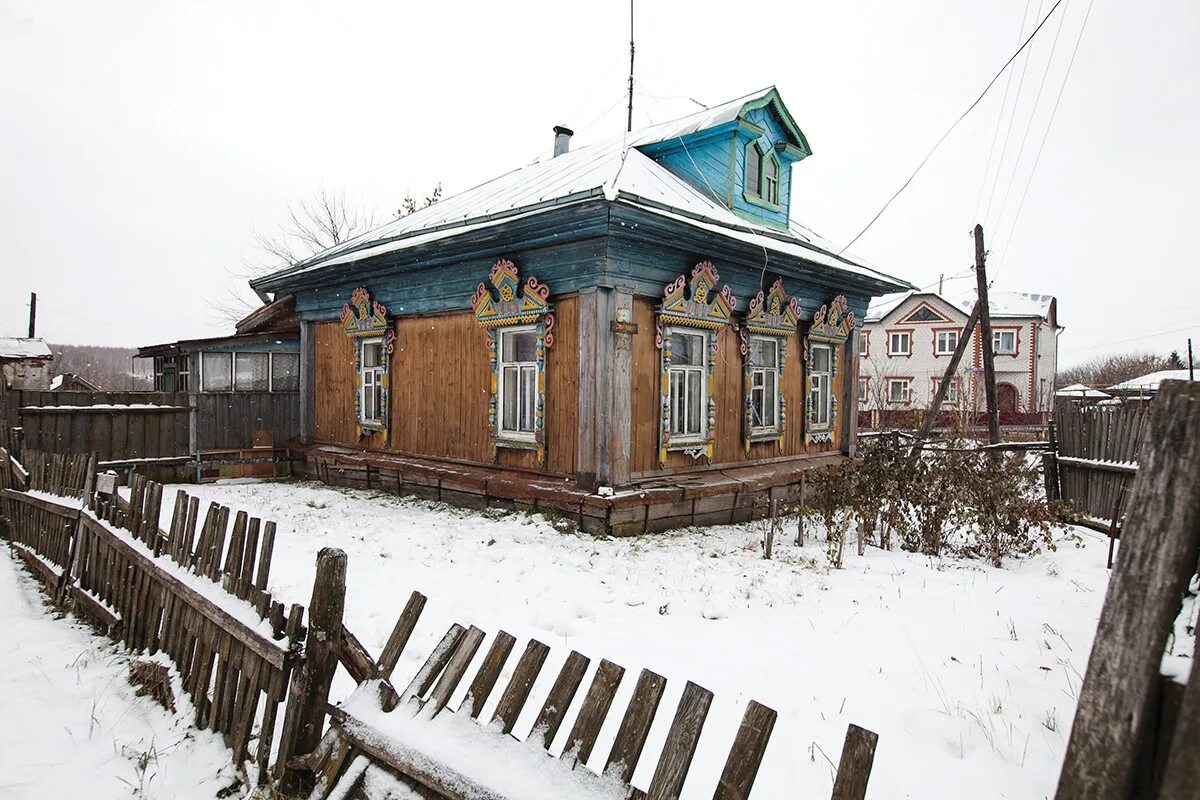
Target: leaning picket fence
<point>197,592</point>
<point>200,599</point>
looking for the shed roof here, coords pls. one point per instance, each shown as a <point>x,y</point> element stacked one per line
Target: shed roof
<point>615,170</point>
<point>17,347</point>
<point>1079,390</point>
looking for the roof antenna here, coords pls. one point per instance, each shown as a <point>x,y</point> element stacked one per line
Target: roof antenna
<point>629,119</point>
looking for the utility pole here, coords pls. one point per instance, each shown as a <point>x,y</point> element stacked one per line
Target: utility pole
<point>32,314</point>
<point>629,118</point>
<point>944,387</point>
<point>985,325</point>
<point>1191,362</point>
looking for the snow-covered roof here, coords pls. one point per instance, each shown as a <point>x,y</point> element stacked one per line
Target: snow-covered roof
<point>1013,304</point>
<point>1150,383</point>
<point>1079,390</point>
<point>1000,303</point>
<point>16,347</point>
<point>612,169</point>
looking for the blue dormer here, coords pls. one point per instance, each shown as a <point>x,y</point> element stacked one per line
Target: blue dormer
<point>739,154</point>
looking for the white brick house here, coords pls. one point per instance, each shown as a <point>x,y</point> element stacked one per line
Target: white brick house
<point>907,339</point>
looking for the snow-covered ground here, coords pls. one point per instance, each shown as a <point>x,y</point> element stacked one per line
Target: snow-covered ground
<point>72,726</point>
<point>969,674</point>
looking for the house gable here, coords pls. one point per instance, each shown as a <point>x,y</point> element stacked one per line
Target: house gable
<point>714,160</point>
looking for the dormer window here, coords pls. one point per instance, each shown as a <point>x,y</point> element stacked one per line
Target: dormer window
<point>762,175</point>
<point>753,170</point>
<point>771,180</point>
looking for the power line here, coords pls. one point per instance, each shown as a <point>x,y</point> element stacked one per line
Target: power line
<point>1012,117</point>
<point>999,118</point>
<point>961,117</point>
<point>1045,135</point>
<point>1187,327</point>
<point>1032,114</point>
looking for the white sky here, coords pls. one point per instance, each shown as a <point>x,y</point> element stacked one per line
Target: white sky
<point>142,144</point>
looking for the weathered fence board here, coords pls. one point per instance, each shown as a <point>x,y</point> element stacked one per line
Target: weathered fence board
<point>1096,456</point>
<point>1114,734</point>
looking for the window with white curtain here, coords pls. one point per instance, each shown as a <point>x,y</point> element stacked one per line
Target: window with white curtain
<point>517,353</point>
<point>687,376</point>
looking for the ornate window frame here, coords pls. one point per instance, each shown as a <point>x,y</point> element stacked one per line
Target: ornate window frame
<point>694,304</point>
<point>775,316</point>
<point>831,325</point>
<point>366,320</point>
<point>515,305</point>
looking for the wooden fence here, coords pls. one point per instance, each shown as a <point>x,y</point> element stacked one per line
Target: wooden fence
<point>231,419</point>
<point>1096,458</point>
<point>206,605</point>
<point>1136,730</point>
<point>357,741</point>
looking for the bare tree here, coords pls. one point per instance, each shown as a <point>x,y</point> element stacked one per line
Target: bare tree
<point>1103,371</point>
<point>312,226</point>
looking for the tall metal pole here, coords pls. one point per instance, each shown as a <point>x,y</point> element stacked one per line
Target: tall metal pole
<point>32,314</point>
<point>985,325</point>
<point>629,118</point>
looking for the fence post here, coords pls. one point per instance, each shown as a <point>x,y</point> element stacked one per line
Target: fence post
<point>1050,466</point>
<point>854,769</point>
<point>309,691</point>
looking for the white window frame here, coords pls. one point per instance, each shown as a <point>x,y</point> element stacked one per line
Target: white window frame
<point>505,434</point>
<point>952,393</point>
<point>245,353</point>
<point>820,386</point>
<point>776,376</point>
<point>906,393</point>
<point>938,349</point>
<point>862,391</point>
<point>683,371</point>
<point>864,344</point>
<point>376,375</point>
<point>892,339</point>
<point>998,338</point>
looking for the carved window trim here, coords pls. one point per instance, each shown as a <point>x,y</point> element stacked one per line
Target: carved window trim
<point>831,325</point>
<point>515,305</point>
<point>693,304</point>
<point>771,315</point>
<point>366,320</point>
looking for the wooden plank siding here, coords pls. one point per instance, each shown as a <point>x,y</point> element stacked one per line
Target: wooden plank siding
<point>439,391</point>
<point>728,447</point>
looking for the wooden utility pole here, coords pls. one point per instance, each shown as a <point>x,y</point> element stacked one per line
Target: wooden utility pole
<point>944,387</point>
<point>1191,362</point>
<point>32,314</point>
<point>985,330</point>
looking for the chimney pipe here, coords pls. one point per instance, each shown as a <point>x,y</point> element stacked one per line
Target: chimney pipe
<point>32,314</point>
<point>562,139</point>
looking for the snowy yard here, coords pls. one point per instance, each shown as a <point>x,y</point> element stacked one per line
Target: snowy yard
<point>969,674</point>
<point>73,726</point>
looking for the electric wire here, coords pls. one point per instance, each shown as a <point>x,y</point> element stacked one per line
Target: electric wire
<point>949,130</point>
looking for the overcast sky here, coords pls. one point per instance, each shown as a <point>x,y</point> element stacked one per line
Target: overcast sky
<point>143,144</point>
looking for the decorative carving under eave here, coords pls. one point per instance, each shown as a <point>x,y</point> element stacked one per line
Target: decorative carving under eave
<point>773,315</point>
<point>513,304</point>
<point>692,303</point>
<point>362,319</point>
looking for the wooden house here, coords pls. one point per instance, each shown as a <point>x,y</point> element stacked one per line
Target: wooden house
<point>633,333</point>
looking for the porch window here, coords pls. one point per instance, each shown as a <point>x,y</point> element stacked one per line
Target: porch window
<point>285,372</point>
<point>900,343</point>
<point>518,382</point>
<point>1004,343</point>
<point>687,375</point>
<point>216,372</point>
<point>251,372</point>
<point>371,382</point>
<point>947,341</point>
<point>764,385</point>
<point>820,384</point>
<point>898,390</point>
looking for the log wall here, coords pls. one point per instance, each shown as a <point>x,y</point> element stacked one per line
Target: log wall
<point>728,384</point>
<point>440,384</point>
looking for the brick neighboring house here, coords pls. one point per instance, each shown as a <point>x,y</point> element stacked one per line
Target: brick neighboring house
<point>25,363</point>
<point>907,340</point>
